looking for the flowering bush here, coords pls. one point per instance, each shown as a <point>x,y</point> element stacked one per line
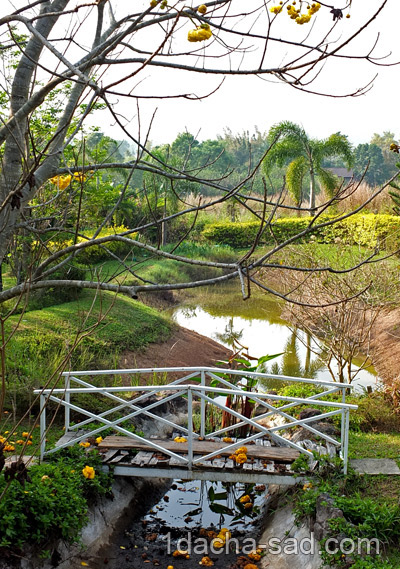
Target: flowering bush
<point>53,502</point>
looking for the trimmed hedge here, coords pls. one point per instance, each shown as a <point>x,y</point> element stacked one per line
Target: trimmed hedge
<point>368,230</point>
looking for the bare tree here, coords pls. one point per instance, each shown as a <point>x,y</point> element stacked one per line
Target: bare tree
<point>70,57</point>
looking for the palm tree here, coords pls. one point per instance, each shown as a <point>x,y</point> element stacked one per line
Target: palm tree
<point>304,156</point>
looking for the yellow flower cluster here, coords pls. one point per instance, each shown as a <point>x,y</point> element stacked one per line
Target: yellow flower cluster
<point>63,182</point>
<point>180,440</point>
<point>276,9</point>
<point>223,536</point>
<point>154,3</point>
<point>201,33</point>
<point>245,499</point>
<point>295,13</point>
<point>240,455</point>
<point>88,472</point>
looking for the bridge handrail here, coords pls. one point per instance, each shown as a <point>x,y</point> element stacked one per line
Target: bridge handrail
<point>204,393</point>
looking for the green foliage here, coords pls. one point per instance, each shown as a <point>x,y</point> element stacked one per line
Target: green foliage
<point>49,296</point>
<point>94,254</point>
<point>54,503</point>
<point>368,230</point>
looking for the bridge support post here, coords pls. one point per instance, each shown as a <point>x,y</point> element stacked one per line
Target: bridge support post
<point>190,428</point>
<point>203,409</point>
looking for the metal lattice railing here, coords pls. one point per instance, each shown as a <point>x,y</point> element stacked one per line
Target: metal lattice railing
<point>208,385</point>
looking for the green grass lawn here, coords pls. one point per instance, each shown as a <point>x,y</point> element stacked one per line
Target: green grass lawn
<point>374,445</point>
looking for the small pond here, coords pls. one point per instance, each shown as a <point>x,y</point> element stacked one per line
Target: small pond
<point>221,314</point>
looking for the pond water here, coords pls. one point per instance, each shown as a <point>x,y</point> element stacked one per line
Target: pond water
<point>221,314</point>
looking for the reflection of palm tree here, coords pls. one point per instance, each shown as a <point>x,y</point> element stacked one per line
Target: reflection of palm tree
<point>291,364</point>
<point>229,336</point>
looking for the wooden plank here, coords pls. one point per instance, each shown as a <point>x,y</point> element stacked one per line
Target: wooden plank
<point>109,455</point>
<point>281,454</point>
<point>175,462</point>
<point>142,458</point>
<point>229,464</point>
<point>257,465</point>
<point>219,463</point>
<point>122,454</point>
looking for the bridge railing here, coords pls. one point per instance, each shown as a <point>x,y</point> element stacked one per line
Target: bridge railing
<point>212,388</point>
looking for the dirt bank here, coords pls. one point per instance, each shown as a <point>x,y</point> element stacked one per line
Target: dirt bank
<point>184,348</point>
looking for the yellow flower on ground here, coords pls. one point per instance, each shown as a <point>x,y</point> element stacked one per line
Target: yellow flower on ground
<point>25,434</point>
<point>180,440</point>
<point>307,486</point>
<point>84,564</point>
<point>206,561</point>
<point>20,442</point>
<point>85,444</point>
<point>99,440</point>
<point>254,556</point>
<point>241,450</point>
<point>45,478</point>
<point>88,472</point>
<point>218,543</point>
<point>181,553</point>
<point>227,440</point>
<point>9,448</point>
<point>241,458</point>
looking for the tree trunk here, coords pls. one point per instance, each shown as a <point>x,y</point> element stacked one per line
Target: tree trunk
<point>312,192</point>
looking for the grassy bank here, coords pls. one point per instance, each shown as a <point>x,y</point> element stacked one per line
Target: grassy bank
<point>89,333</point>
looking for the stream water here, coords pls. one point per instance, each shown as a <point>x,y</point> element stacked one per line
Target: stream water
<point>220,314</point>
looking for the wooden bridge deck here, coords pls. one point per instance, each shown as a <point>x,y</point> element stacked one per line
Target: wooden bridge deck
<point>265,464</point>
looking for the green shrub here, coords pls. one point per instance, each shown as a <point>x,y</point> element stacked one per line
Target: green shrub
<point>53,504</point>
<point>367,230</point>
<point>96,253</point>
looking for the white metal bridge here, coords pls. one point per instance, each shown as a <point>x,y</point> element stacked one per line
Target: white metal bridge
<point>206,450</point>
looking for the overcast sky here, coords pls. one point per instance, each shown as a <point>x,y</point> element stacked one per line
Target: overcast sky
<point>242,103</point>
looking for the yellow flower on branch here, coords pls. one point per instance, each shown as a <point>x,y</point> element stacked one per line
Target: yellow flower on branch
<point>89,472</point>
<point>202,9</point>
<point>201,33</point>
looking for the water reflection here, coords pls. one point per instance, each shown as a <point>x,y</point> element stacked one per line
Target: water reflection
<point>257,325</point>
